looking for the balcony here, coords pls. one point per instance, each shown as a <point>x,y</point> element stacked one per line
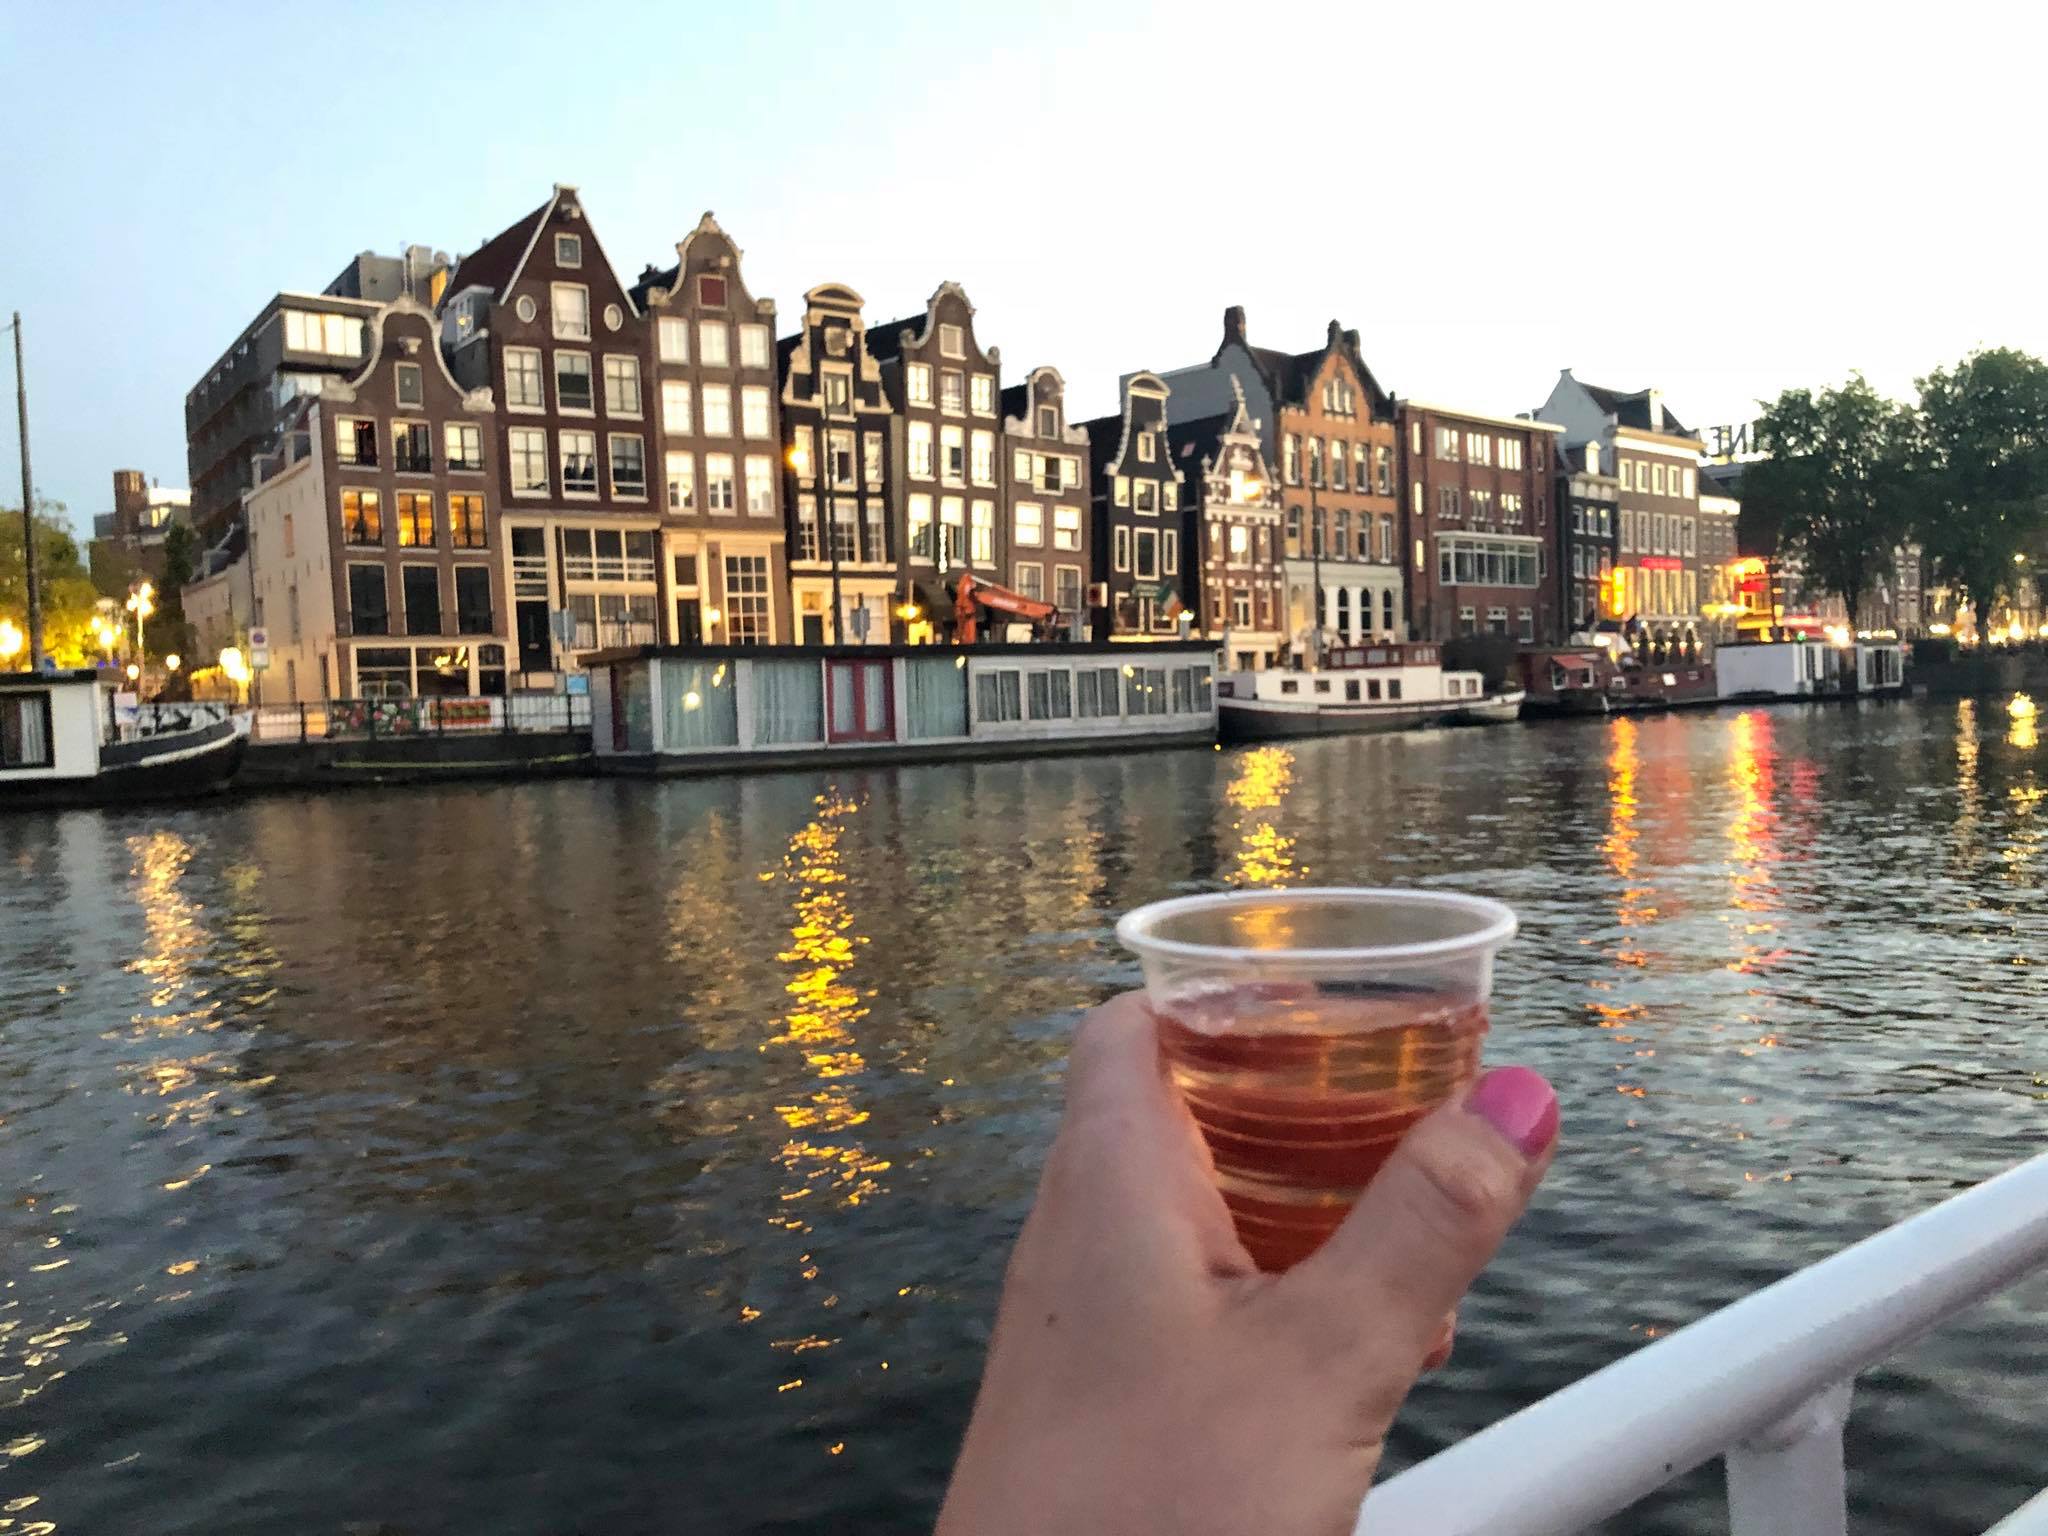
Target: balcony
<point>529,575</point>
<point>600,568</point>
<point>613,633</point>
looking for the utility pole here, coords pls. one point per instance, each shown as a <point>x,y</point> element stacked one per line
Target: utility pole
<point>28,510</point>
<point>1315,552</point>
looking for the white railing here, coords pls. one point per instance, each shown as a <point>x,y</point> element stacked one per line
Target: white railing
<point>1764,1383</point>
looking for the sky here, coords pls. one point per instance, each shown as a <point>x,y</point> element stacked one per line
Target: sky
<point>1720,201</point>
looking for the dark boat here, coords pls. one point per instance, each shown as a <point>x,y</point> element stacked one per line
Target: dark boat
<point>65,743</point>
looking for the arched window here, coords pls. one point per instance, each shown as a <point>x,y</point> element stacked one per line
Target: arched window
<point>1344,612</point>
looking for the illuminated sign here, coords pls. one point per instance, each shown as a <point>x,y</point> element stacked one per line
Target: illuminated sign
<point>1661,563</point>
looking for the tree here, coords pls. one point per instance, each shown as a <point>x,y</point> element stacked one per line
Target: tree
<point>1837,484</point>
<point>1983,477</point>
<point>68,596</point>
<point>168,630</point>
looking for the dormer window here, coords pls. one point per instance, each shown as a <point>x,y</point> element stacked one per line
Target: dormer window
<point>568,250</point>
<point>1048,421</point>
<point>411,385</point>
<point>711,291</point>
<point>952,341</point>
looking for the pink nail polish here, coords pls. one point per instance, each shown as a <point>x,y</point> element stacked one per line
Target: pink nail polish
<point>1518,1103</point>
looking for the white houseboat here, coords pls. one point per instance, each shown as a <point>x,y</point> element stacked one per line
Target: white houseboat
<point>693,709</point>
<point>1810,669</point>
<point>1358,688</point>
<point>67,740</point>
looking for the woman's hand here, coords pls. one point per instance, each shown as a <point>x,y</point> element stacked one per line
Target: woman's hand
<point>1145,1379</point>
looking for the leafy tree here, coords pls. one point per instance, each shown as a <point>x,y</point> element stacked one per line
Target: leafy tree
<point>168,630</point>
<point>1837,484</point>
<point>68,595</point>
<point>1983,472</point>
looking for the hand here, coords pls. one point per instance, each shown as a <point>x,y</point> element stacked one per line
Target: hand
<point>1144,1379</point>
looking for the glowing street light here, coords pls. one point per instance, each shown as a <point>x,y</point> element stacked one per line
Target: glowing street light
<point>141,603</point>
<point>11,640</point>
<point>235,665</point>
<point>173,662</point>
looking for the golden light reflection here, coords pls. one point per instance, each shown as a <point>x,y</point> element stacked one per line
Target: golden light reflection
<point>2021,732</point>
<point>1265,857</point>
<point>1753,838</point>
<point>1624,807</point>
<point>1969,796</point>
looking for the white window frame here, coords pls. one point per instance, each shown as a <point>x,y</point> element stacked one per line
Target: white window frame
<point>686,461</point>
<point>1029,531</point>
<point>760,475</point>
<point>753,396</point>
<point>537,373</point>
<point>706,331</point>
<point>981,394</point>
<point>1066,529</point>
<point>920,437</point>
<point>627,371</point>
<point>705,413</point>
<point>612,440</point>
<point>563,354</point>
<point>596,472</point>
<point>521,444</point>
<point>917,383</point>
<point>952,340</point>
<point>556,291</point>
<point>981,458</point>
<point>672,335</point>
<point>574,245</point>
<point>712,480</point>
<point>757,350</point>
<point>1120,540</point>
<point>678,408</point>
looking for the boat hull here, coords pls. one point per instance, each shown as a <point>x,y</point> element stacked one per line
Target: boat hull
<point>1264,720</point>
<point>1498,710</point>
<point>184,766</point>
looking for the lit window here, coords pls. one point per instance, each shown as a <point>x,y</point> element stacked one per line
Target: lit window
<point>676,413</point>
<point>713,343</point>
<point>754,346</point>
<point>569,304</point>
<point>674,334</point>
<point>952,341</point>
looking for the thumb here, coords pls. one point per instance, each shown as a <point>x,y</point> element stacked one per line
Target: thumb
<point>1427,1224</point>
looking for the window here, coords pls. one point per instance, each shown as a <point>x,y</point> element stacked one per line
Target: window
<point>1120,490</point>
<point>877,530</point>
<point>369,611</point>
<point>920,527</point>
<point>1510,505</point>
<point>1145,554</point>
<point>1121,542</point>
<point>1030,522</point>
<point>1657,479</point>
<point>754,346</point>
<point>1447,501</point>
<point>579,463</point>
<point>1446,443</point>
<point>1691,538</point>
<point>754,410</point>
<point>921,450</point>
<point>568,250</point>
<point>717,403</point>
<point>336,335</point>
<point>800,454</point>
<point>1290,458</point>
<point>464,445</point>
<point>952,530</point>
<point>355,441</point>
<point>1240,543</point>
<point>1387,610</point>
<point>982,548</point>
<point>1066,527</point>
<point>1482,505</point>
<point>673,334</point>
<point>466,521</point>
<point>952,341</point>
<point>746,600</point>
<point>1169,494</point>
<point>473,600</point>
<point>415,520</point>
<point>917,381</point>
<point>984,467</point>
<point>412,388</point>
<point>675,407</point>
<point>522,379</point>
<point>1360,473</point>
<point>422,588</point>
<point>982,394</point>
<point>572,381</point>
<point>1241,607</point>
<point>1029,579</point>
<point>838,392</point>
<point>1511,453</point>
<point>629,464</point>
<point>1338,459</point>
<point>1066,588</point>
<point>621,385</point>
<point>1048,421</point>
<point>362,517</point>
<point>952,388</point>
<point>714,341</point>
<point>1657,534</point>
<point>1526,625</point>
<point>1169,552</point>
<point>528,447</point>
<point>569,305</point>
<point>760,485</point>
<point>682,481</point>
<point>953,455</point>
<point>1494,562</point>
<point>718,482</point>
<point>1315,461</point>
<point>998,696</point>
<point>871,459</point>
<point>1691,485</point>
<point>412,448</point>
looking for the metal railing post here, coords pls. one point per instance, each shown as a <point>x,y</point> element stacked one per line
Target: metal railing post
<point>1787,1479</point>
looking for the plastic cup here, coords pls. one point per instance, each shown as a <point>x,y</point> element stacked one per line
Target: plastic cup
<point>1307,1030</point>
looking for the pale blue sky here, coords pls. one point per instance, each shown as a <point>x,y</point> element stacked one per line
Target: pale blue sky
<point>1720,200</point>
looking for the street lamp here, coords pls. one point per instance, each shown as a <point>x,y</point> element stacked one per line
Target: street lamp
<point>173,662</point>
<point>11,640</point>
<point>141,603</point>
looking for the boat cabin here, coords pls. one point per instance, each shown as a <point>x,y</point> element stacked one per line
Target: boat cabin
<point>50,725</point>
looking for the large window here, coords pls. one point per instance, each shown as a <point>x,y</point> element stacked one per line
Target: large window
<point>1468,558</point>
<point>369,609</point>
<point>747,617</point>
<point>982,395</point>
<point>920,441</point>
<point>569,304</point>
<point>718,482</point>
<point>952,530</point>
<point>522,379</point>
<point>422,599</point>
<point>621,384</point>
<point>983,469</point>
<point>579,463</point>
<point>415,520</point>
<point>1050,693</point>
<point>572,380</point>
<point>466,521</point>
<point>999,697</point>
<point>953,455</point>
<point>682,482</point>
<point>464,445</point>
<point>629,464</point>
<point>1030,524</point>
<point>528,449</point>
<point>760,485</point>
<point>952,391</point>
<point>754,410</point>
<point>25,730</point>
<point>920,517</point>
<point>1446,442</point>
<point>917,383</point>
<point>1029,579</point>
<point>336,335</point>
<point>412,448</point>
<point>355,441</point>
<point>676,415</point>
<point>673,333</point>
<point>717,402</point>
<point>754,346</point>
<point>714,343</point>
<point>362,517</point>
<point>983,546</point>
<point>1066,588</point>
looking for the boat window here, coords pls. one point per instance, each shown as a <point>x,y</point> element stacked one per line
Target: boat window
<point>1351,690</point>
<point>999,696</point>
<point>1372,688</point>
<point>1322,685</point>
<point>1393,687</point>
<point>1289,685</point>
<point>25,730</point>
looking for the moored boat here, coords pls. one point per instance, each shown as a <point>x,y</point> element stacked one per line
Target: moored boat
<point>1577,680</point>
<point>1358,689</point>
<point>64,743</point>
<point>1493,709</point>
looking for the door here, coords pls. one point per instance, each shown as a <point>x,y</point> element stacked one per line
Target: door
<point>861,701</point>
<point>689,621</point>
<point>814,629</point>
<point>536,645</point>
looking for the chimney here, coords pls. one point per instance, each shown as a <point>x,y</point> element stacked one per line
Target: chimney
<point>1654,399</point>
<point>1351,340</point>
<point>1233,325</point>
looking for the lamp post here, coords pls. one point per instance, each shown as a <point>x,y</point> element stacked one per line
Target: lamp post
<point>141,603</point>
<point>1315,552</point>
<point>828,515</point>
<point>28,507</point>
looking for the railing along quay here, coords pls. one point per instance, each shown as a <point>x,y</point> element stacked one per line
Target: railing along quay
<point>1764,1383</point>
<point>401,719</point>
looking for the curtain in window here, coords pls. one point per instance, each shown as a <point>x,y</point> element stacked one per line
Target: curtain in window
<point>699,706</point>
<point>24,732</point>
<point>936,696</point>
<point>789,701</point>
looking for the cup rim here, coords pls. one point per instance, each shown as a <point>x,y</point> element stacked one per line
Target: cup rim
<point>1133,928</point>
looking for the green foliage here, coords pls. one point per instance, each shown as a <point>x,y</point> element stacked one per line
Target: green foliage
<point>168,631</point>
<point>1982,458</point>
<point>68,594</point>
<point>1837,486</point>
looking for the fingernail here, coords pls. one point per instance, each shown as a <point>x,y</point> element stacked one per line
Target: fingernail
<point>1517,1102</point>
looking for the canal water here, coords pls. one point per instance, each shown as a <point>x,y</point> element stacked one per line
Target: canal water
<point>643,1157</point>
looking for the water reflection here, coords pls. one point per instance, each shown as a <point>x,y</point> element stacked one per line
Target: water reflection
<point>1633,906</point>
<point>1264,856</point>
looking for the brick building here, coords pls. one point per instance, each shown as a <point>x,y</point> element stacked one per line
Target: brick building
<point>1234,509</point>
<point>1047,462</point>
<point>1140,524</point>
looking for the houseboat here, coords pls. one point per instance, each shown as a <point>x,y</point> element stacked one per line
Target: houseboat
<point>1358,688</point>
<point>67,739</point>
<point>1577,680</point>
<point>1764,670</point>
<point>702,709</point>
<point>1678,684</point>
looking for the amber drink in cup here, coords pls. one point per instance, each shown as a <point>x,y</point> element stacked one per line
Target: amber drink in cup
<point>1308,1030</point>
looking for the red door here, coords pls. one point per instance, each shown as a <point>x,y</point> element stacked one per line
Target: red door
<point>861,700</point>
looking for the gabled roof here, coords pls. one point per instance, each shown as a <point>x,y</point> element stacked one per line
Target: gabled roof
<point>1189,443</point>
<point>1015,400</point>
<point>1631,408</point>
<point>1288,375</point>
<point>497,261</point>
<point>885,341</point>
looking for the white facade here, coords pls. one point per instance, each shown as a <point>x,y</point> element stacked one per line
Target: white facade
<point>290,577</point>
<point>49,728</point>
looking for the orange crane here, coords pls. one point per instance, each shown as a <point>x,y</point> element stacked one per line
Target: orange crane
<point>971,595</point>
